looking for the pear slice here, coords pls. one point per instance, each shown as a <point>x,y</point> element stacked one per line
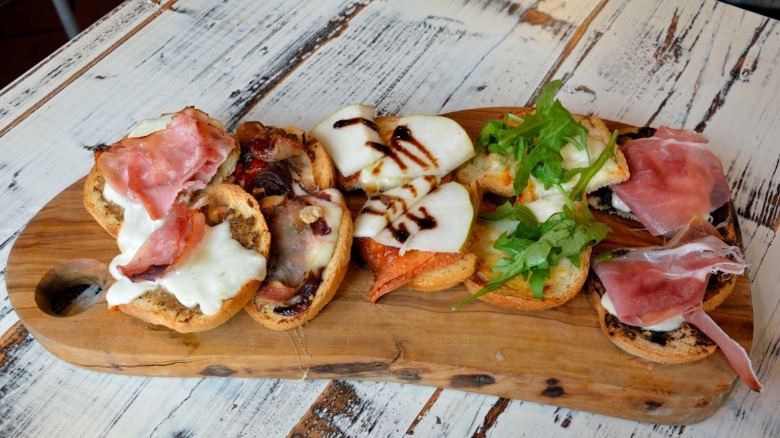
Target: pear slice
<point>440,222</point>
<point>421,145</point>
<point>382,209</point>
<point>351,138</point>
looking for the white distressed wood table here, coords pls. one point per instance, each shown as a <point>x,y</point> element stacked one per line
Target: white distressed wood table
<point>698,65</point>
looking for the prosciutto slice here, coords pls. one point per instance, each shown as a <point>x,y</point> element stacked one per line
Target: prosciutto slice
<point>168,245</point>
<point>153,170</point>
<point>735,354</point>
<point>673,178</point>
<point>650,285</point>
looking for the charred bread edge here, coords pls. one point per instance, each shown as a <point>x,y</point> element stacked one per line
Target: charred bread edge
<point>683,345</point>
<point>331,279</point>
<point>160,307</point>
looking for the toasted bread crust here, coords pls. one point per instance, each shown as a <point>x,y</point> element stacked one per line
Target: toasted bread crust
<point>331,279</point>
<point>105,213</point>
<point>565,283</point>
<point>683,345</point>
<point>162,308</point>
<point>445,277</point>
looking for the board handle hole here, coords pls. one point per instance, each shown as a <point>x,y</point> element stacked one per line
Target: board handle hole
<point>72,287</point>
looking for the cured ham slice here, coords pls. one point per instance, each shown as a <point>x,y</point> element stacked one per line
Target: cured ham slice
<point>673,178</point>
<point>650,285</point>
<point>153,170</point>
<point>735,354</point>
<point>393,270</point>
<point>167,246</point>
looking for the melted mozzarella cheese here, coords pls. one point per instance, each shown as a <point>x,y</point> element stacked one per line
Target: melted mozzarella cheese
<point>325,245</point>
<point>618,204</point>
<point>149,126</point>
<point>545,203</point>
<point>668,325</point>
<point>214,272</point>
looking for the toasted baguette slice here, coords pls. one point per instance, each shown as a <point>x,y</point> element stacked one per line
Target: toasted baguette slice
<point>446,277</point>
<point>313,167</point>
<point>495,172</point>
<point>332,276</point>
<point>564,283</point>
<point>683,345</point>
<point>686,344</point>
<point>110,215</point>
<point>224,202</point>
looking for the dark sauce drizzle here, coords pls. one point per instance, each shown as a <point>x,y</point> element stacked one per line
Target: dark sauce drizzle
<point>368,123</point>
<point>425,221</point>
<point>402,233</point>
<point>402,133</point>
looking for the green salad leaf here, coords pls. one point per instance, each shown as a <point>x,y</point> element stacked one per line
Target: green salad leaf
<point>535,141</point>
<point>533,248</point>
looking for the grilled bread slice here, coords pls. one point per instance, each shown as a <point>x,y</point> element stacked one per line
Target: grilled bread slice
<point>223,203</point>
<point>318,288</point>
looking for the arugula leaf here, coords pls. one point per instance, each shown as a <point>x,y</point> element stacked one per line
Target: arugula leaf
<point>532,252</point>
<point>507,211</point>
<point>535,142</point>
<point>587,173</point>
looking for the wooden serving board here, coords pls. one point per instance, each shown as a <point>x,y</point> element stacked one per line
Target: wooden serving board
<point>557,357</point>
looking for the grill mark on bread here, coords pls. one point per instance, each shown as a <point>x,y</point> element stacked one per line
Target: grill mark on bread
<point>614,326</point>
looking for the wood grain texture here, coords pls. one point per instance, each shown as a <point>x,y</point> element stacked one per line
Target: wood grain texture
<point>408,337</point>
<point>441,56</point>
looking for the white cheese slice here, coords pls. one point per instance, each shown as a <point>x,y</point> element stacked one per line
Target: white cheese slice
<point>619,205</point>
<point>149,126</point>
<point>382,209</point>
<point>421,145</point>
<point>439,222</point>
<point>349,137</point>
<point>668,325</point>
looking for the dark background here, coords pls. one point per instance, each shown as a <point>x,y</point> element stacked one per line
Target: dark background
<point>30,30</point>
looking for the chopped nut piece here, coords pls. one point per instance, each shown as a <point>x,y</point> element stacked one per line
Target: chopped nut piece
<point>310,214</point>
